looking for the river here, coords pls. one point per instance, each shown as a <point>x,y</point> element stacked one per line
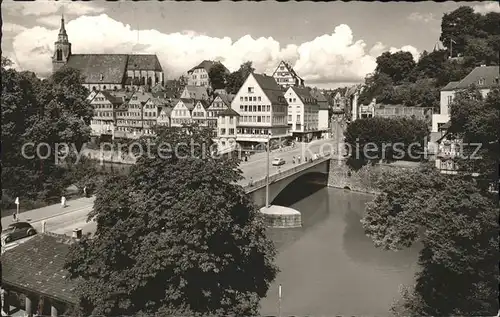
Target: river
<point>329,267</point>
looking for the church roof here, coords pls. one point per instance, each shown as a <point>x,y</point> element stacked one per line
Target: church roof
<point>111,66</point>
<point>144,62</point>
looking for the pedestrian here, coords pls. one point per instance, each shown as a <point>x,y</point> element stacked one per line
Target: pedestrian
<point>298,159</point>
<point>14,217</point>
<point>293,159</point>
<point>63,202</point>
<point>85,191</point>
<point>251,182</point>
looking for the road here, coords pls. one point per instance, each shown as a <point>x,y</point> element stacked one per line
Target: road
<point>255,168</point>
<point>64,220</point>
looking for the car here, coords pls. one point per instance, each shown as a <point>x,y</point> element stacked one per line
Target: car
<point>17,230</point>
<point>278,161</point>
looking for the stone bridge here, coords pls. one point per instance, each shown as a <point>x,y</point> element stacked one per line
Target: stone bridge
<point>279,181</point>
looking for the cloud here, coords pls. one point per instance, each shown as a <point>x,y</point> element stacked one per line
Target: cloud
<point>421,17</point>
<point>50,20</point>
<point>486,7</point>
<point>9,30</point>
<point>380,48</point>
<point>50,7</point>
<point>329,58</point>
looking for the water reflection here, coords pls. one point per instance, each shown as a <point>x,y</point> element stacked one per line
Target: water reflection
<point>330,267</point>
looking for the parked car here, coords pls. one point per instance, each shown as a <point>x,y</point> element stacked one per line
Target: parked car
<point>278,161</point>
<point>16,231</point>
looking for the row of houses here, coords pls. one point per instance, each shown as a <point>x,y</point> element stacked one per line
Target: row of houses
<point>261,110</point>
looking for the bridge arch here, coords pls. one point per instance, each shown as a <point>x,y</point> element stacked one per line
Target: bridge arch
<point>301,187</point>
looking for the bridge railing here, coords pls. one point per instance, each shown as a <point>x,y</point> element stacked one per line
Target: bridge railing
<point>253,185</point>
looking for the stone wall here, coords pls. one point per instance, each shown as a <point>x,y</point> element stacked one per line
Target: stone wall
<point>367,178</point>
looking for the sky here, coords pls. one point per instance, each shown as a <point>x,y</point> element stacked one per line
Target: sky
<point>329,44</point>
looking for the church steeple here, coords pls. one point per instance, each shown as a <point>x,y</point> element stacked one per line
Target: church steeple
<point>62,50</point>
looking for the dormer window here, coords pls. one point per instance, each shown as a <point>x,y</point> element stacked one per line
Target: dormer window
<point>480,81</point>
<point>250,90</point>
<point>101,77</point>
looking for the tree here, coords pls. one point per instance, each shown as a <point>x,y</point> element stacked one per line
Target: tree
<point>235,80</point>
<point>377,138</point>
<point>217,75</point>
<point>457,26</point>
<point>176,235</point>
<point>457,225</point>
<point>397,65</point>
<point>474,120</point>
<point>50,112</point>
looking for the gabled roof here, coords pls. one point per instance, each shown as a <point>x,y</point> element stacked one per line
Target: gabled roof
<point>488,73</point>
<point>203,103</point>
<point>322,101</point>
<point>166,110</point>
<point>142,97</point>
<point>198,92</point>
<point>271,88</point>
<point>144,62</point>
<point>289,68</point>
<point>304,94</point>
<point>207,65</point>
<point>91,66</point>
<point>189,103</point>
<point>451,86</point>
<point>38,265</point>
<point>227,99</point>
<point>114,98</point>
<point>229,112</point>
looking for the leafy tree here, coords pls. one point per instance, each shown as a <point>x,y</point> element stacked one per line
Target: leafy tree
<point>457,226</point>
<point>457,26</point>
<point>379,86</point>
<point>397,65</point>
<point>384,134</point>
<point>429,65</point>
<point>217,75</point>
<point>34,111</point>
<point>235,80</point>
<point>474,120</point>
<point>175,236</point>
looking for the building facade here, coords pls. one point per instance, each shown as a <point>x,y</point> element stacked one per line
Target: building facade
<point>181,112</point>
<point>200,113</point>
<point>484,78</point>
<point>285,76</point>
<point>263,111</point>
<point>219,104</point>
<point>227,123</point>
<point>105,104</point>
<point>130,116</point>
<point>303,113</point>
<point>323,114</point>
<point>194,92</point>
<point>107,71</point>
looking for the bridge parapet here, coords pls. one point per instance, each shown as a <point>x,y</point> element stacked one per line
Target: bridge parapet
<point>255,185</point>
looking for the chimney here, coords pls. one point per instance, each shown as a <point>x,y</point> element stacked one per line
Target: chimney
<point>77,233</point>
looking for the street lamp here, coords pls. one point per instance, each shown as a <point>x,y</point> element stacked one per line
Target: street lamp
<point>267,169</point>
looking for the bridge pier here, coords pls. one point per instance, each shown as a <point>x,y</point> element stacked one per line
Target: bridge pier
<point>281,217</point>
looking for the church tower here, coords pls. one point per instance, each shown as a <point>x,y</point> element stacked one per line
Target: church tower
<point>62,50</point>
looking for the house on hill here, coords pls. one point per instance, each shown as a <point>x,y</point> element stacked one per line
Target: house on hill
<point>198,75</point>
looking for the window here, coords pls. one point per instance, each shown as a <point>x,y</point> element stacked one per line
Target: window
<point>241,98</point>
<point>450,99</point>
<point>268,108</point>
<point>250,90</point>
<point>231,131</point>
<point>298,117</point>
<point>258,98</point>
<point>289,117</point>
<point>246,98</point>
<point>104,87</point>
<point>222,131</point>
<point>481,81</point>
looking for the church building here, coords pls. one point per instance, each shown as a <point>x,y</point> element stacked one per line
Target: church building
<point>108,71</point>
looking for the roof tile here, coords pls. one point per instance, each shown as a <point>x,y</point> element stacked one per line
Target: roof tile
<point>38,264</point>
